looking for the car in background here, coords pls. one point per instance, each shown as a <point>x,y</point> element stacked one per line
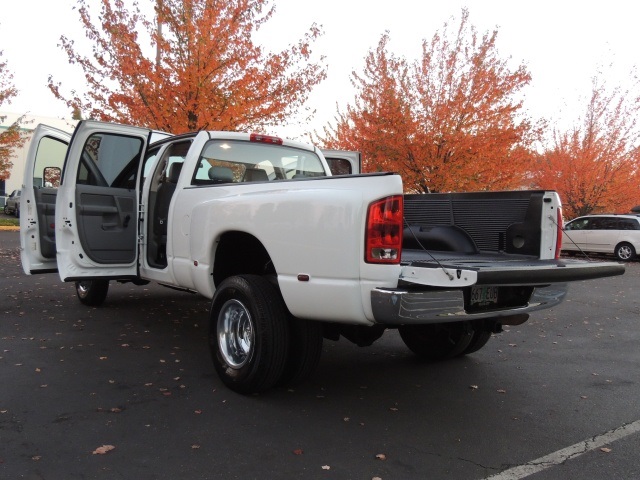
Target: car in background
<point>12,205</point>
<point>613,234</point>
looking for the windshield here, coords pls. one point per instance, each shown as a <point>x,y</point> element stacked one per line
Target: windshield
<point>231,161</point>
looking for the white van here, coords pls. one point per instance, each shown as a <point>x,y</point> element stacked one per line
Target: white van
<point>617,234</point>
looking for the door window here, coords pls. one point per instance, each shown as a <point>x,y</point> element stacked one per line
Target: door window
<point>628,224</point>
<point>579,224</point>
<point>48,164</point>
<point>110,160</point>
<point>339,166</point>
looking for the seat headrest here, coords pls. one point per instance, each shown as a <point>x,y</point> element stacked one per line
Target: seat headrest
<point>221,174</point>
<point>174,172</point>
<point>255,175</point>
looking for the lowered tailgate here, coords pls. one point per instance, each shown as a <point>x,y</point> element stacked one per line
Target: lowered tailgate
<point>503,269</point>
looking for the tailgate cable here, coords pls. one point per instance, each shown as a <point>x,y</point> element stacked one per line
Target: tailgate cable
<point>446,272</point>
<point>569,237</point>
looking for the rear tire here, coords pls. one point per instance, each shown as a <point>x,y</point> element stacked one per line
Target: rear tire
<point>479,340</point>
<point>92,292</point>
<point>625,252</point>
<point>248,334</point>
<point>438,341</point>
<point>305,349</point>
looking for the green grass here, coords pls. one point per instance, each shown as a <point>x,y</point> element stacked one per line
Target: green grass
<point>9,222</point>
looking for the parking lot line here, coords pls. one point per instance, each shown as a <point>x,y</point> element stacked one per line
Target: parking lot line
<point>569,453</point>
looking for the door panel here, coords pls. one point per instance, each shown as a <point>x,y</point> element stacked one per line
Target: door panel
<point>43,167</point>
<point>603,234</point>
<point>45,199</point>
<point>106,223</point>
<point>97,205</point>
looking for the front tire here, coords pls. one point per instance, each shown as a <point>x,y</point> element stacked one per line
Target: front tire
<point>248,334</point>
<point>92,292</point>
<point>625,252</point>
<point>438,341</point>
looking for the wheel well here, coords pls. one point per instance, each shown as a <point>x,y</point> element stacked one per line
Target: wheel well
<point>624,242</point>
<point>240,253</point>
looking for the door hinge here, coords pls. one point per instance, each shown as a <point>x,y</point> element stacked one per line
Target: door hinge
<point>140,223</point>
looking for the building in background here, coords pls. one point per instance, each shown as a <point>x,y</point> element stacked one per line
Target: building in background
<point>19,156</point>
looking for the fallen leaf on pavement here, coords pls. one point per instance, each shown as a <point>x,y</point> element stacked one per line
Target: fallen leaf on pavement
<point>103,449</point>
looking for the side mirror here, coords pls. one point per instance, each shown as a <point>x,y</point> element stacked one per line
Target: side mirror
<point>51,177</point>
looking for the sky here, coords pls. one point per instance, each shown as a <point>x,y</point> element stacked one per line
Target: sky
<point>563,43</point>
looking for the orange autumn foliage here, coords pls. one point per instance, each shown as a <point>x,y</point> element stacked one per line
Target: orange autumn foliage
<point>198,68</point>
<point>11,137</point>
<point>595,166</point>
<point>448,121</point>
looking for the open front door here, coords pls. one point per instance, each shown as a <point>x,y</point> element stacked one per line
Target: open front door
<point>97,207</point>
<point>42,173</point>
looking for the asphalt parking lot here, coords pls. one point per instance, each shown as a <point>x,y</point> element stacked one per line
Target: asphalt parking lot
<point>555,398</point>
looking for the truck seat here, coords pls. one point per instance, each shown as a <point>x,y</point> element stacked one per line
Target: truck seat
<point>255,175</point>
<point>221,174</point>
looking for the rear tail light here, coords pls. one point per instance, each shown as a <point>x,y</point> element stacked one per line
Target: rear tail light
<point>383,237</point>
<point>559,223</point>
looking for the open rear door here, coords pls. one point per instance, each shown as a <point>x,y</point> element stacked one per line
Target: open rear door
<point>97,210</point>
<point>42,173</point>
<point>343,162</point>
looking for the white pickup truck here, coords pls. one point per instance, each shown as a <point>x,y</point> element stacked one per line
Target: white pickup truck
<point>289,253</point>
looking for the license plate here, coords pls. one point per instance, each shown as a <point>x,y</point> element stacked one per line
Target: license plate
<point>481,296</point>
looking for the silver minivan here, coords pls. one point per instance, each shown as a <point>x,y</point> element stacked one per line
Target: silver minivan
<point>616,234</point>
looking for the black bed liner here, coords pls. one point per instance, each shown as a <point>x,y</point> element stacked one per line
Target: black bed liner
<point>509,269</point>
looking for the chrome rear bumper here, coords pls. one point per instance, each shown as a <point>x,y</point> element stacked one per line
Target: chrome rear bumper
<point>403,307</point>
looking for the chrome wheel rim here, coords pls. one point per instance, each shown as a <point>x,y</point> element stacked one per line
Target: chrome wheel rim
<point>624,252</point>
<point>235,333</point>
<point>83,288</point>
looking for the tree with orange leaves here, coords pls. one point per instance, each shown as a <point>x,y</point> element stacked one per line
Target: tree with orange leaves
<point>595,166</point>
<point>10,137</point>
<point>448,121</point>
<point>207,73</point>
